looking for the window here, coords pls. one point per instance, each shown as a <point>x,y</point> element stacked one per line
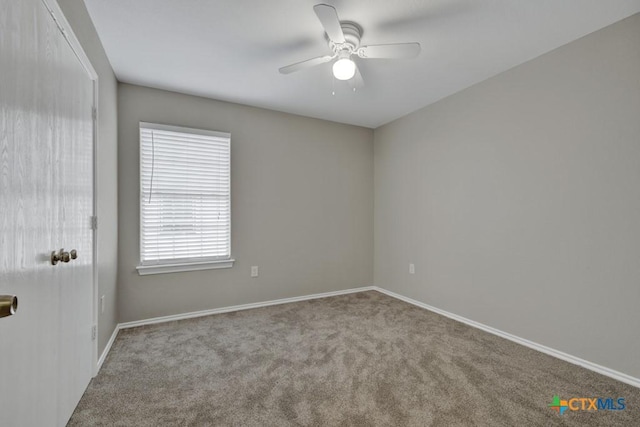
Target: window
<point>185,199</point>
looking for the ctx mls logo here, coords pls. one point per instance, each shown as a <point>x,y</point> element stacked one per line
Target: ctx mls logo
<point>587,404</point>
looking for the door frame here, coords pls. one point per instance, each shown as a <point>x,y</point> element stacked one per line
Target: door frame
<point>67,31</point>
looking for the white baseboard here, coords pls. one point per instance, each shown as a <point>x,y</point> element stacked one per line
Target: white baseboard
<point>628,379</point>
<point>107,348</point>
<point>240,307</point>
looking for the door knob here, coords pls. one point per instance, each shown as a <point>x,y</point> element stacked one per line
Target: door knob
<point>8,305</point>
<point>57,257</point>
<point>63,256</point>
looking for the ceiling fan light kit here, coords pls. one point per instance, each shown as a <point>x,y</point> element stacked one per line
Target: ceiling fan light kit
<point>344,69</point>
<point>344,42</point>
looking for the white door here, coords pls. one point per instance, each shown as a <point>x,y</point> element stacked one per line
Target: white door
<point>46,199</point>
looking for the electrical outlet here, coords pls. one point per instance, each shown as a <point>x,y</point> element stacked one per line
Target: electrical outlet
<point>254,271</point>
<point>412,269</point>
<point>102,304</point>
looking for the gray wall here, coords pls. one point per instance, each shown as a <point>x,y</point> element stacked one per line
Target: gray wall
<point>302,206</point>
<point>77,15</point>
<point>518,200</point>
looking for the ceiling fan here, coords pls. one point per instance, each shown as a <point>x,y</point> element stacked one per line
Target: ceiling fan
<point>344,42</point>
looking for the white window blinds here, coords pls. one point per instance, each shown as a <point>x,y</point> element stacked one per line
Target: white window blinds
<point>185,197</point>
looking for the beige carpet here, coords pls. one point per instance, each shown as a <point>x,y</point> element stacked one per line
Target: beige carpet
<point>354,360</point>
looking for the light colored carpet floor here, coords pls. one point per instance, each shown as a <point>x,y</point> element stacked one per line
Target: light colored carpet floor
<point>362,359</point>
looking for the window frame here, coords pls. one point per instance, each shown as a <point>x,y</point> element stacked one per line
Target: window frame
<point>185,264</point>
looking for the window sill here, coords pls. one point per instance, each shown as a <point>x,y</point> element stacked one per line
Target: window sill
<point>144,270</point>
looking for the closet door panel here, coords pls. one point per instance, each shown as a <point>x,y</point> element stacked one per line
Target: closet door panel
<point>45,141</point>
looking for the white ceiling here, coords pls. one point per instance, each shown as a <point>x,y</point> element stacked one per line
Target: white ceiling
<point>231,49</point>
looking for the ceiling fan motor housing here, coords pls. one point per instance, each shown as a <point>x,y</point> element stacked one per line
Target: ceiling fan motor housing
<point>352,34</point>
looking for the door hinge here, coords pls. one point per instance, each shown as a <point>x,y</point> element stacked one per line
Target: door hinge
<point>94,113</point>
<point>94,222</point>
<point>93,333</point>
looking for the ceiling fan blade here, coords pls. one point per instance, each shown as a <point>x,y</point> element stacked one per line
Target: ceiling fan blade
<point>397,50</point>
<point>356,82</point>
<point>306,64</point>
<point>329,19</point>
